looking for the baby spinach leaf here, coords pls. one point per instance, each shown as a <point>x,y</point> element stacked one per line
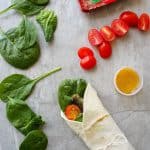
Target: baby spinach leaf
<point>80,117</point>
<point>35,140</point>
<point>26,7</point>
<point>19,86</point>
<point>19,46</point>
<point>71,91</point>
<point>40,2</point>
<point>48,21</point>
<point>22,117</point>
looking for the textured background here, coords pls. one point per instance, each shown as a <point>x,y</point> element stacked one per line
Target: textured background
<point>132,114</point>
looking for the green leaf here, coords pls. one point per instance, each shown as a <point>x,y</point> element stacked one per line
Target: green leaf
<point>19,46</point>
<point>22,117</point>
<point>48,21</point>
<point>71,91</point>
<point>40,2</point>
<point>19,86</point>
<point>27,7</point>
<point>80,117</point>
<point>35,140</point>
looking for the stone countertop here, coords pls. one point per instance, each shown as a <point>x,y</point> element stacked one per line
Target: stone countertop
<point>132,114</point>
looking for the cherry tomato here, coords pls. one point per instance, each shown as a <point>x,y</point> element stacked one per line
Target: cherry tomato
<point>144,22</point>
<point>105,50</point>
<point>72,112</point>
<point>94,37</point>
<point>107,33</point>
<point>85,51</point>
<point>119,27</point>
<point>130,18</point>
<point>88,62</point>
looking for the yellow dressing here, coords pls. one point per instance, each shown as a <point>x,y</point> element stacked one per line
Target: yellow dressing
<point>127,80</point>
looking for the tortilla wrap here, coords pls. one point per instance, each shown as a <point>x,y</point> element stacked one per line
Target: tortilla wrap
<point>98,129</point>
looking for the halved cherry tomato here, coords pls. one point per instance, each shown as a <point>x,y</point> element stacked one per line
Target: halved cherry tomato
<point>85,51</point>
<point>144,22</point>
<point>72,112</point>
<point>130,18</point>
<point>94,37</point>
<point>88,62</point>
<point>119,27</point>
<point>105,50</point>
<point>107,33</point>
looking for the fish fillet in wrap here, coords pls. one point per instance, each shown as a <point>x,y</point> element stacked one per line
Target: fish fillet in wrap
<point>97,128</point>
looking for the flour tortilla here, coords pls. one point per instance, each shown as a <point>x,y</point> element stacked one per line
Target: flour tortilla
<point>98,130</point>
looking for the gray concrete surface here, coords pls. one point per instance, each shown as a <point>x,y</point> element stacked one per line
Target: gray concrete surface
<point>132,114</point>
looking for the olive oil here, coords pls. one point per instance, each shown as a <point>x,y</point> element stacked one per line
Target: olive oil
<point>127,80</point>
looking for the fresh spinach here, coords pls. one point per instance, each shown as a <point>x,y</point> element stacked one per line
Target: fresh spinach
<point>27,7</point>
<point>19,86</point>
<point>19,46</point>
<point>22,117</point>
<point>71,91</point>
<point>40,2</point>
<point>35,140</point>
<point>48,21</point>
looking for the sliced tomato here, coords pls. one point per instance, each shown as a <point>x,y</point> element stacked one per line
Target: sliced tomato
<point>95,37</point>
<point>119,27</point>
<point>105,50</point>
<point>72,112</point>
<point>130,18</point>
<point>88,62</point>
<point>144,22</point>
<point>85,51</point>
<point>107,33</point>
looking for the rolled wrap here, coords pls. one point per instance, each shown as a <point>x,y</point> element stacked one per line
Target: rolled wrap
<point>98,129</point>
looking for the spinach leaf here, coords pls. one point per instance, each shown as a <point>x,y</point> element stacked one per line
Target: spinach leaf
<point>19,46</point>
<point>22,117</point>
<point>19,86</point>
<point>35,140</point>
<point>27,7</point>
<point>48,21</point>
<point>71,91</point>
<point>40,2</point>
<point>80,117</point>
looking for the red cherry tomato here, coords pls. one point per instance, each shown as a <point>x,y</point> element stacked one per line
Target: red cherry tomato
<point>107,33</point>
<point>94,37</point>
<point>105,50</point>
<point>130,18</point>
<point>88,62</point>
<point>72,112</point>
<point>144,22</point>
<point>85,51</point>
<point>119,27</point>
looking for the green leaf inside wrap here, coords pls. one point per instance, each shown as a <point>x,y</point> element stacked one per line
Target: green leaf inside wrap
<point>71,91</point>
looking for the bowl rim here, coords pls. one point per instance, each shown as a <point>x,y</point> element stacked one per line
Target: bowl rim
<point>137,90</point>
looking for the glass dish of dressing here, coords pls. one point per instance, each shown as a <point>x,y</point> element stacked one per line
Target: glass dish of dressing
<point>128,81</point>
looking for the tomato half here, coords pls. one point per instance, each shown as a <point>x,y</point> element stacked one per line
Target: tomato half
<point>72,112</point>
<point>85,51</point>
<point>105,50</point>
<point>88,62</point>
<point>107,33</point>
<point>144,22</point>
<point>119,27</point>
<point>94,37</point>
<point>130,18</point>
